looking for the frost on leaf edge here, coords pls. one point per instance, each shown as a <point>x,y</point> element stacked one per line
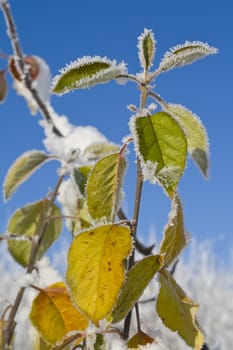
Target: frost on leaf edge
<point>113,71</point>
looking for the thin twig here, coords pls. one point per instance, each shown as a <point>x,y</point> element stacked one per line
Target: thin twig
<point>19,57</point>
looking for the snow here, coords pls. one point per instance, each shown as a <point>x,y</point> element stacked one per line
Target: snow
<point>76,138</point>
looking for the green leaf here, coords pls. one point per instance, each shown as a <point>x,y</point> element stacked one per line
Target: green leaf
<point>178,311</point>
<point>80,176</point>
<point>142,272</point>
<point>198,145</point>
<point>95,271</point>
<point>86,72</point>
<point>99,343</point>
<point>54,315</point>
<point>21,169</point>
<point>161,145</point>
<point>26,223</point>
<point>104,186</point>
<point>146,49</point>
<point>184,54</point>
<point>174,238</point>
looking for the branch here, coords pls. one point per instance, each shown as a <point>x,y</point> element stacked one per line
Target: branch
<point>19,58</point>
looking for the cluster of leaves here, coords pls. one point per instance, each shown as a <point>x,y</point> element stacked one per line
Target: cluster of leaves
<point>103,282</point>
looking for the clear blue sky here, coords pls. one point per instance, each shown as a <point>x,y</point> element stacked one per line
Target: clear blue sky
<point>60,31</point>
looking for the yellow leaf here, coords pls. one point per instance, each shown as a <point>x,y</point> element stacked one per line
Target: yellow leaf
<point>53,314</point>
<point>178,311</point>
<point>95,271</point>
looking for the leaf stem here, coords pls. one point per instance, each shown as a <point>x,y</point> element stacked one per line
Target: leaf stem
<point>158,99</point>
<point>138,194</point>
<point>19,58</point>
<point>40,231</point>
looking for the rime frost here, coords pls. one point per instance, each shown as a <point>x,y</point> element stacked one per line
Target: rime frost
<point>148,170</point>
<point>145,57</point>
<point>111,71</point>
<point>75,137</point>
<point>187,53</point>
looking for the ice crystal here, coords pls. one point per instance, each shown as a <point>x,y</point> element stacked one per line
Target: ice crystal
<point>187,53</point>
<point>86,72</point>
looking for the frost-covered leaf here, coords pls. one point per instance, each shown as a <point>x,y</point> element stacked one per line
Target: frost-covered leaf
<point>104,186</point>
<point>161,145</point>
<point>80,176</point>
<point>142,272</point>
<point>174,238</point>
<point>100,149</point>
<point>26,222</point>
<point>86,72</point>
<point>187,53</point>
<point>3,85</point>
<point>146,49</point>
<point>140,338</point>
<point>178,311</point>
<point>198,145</point>
<point>95,271</point>
<point>21,169</point>
<point>54,315</point>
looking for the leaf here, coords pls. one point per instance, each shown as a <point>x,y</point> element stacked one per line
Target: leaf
<point>82,220</point>
<point>99,149</point>
<point>26,223</point>
<point>40,344</point>
<point>198,145</point>
<point>54,315</point>
<point>161,145</point>
<point>3,85</point>
<point>140,338</point>
<point>86,72</point>
<point>178,311</point>
<point>21,169</point>
<point>174,238</point>
<point>142,272</point>
<point>99,343</point>
<point>184,54</point>
<point>95,271</point>
<point>104,186</point>
<point>146,49</point>
<point>80,176</point>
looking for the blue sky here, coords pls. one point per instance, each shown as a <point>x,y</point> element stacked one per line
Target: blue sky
<point>61,31</point>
